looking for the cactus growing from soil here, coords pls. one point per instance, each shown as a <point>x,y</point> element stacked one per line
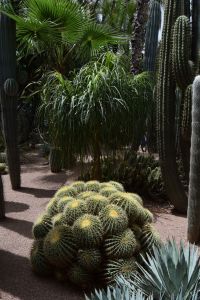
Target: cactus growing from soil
<point>102,240</point>
<point>166,111</point>
<point>8,96</point>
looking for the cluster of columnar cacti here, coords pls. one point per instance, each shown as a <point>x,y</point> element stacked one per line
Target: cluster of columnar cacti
<point>176,71</point>
<point>92,232</point>
<point>8,94</point>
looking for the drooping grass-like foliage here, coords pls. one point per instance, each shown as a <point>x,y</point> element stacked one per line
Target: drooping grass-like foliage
<point>90,239</point>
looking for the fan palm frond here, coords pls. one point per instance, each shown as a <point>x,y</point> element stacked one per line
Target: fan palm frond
<point>47,22</point>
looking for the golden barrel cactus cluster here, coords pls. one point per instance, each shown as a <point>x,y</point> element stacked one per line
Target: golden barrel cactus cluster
<point>90,233</point>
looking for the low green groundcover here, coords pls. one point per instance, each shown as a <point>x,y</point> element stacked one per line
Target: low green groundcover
<point>90,233</point>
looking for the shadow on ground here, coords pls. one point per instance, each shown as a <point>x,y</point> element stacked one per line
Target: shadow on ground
<point>15,206</point>
<point>22,227</point>
<point>17,279</point>
<point>38,192</point>
<point>55,178</point>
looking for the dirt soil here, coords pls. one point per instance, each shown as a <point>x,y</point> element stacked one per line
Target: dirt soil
<point>22,207</point>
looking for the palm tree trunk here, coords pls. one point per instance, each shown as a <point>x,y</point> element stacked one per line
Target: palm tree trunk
<point>55,160</point>
<point>97,172</point>
<point>8,92</point>
<point>138,36</point>
<point>194,186</point>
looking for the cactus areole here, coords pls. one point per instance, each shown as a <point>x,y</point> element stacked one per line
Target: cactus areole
<point>8,93</point>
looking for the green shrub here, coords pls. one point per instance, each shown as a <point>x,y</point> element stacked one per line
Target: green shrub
<point>94,238</point>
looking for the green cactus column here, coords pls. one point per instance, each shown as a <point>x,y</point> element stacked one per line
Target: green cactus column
<point>195,31</point>
<point>166,100</point>
<point>2,203</point>
<point>194,186</point>
<point>8,96</point>
<point>151,39</point>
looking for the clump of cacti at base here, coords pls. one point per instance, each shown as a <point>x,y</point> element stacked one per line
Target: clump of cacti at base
<point>88,237</point>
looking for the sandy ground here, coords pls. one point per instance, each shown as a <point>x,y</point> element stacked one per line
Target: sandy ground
<point>22,207</point>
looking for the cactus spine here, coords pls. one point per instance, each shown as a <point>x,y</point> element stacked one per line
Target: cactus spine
<point>151,40</point>
<point>8,93</point>
<point>166,112</point>
<point>194,187</point>
<point>186,115</point>
<point>181,52</point>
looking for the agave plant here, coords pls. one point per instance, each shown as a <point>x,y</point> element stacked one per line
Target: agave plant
<point>171,271</point>
<point>118,293</point>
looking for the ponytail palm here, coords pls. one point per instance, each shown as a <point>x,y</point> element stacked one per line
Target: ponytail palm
<point>95,112</point>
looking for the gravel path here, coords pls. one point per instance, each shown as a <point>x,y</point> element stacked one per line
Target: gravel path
<point>22,207</point>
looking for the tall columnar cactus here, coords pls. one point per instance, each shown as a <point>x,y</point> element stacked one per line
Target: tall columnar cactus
<point>166,112</point>
<point>138,36</point>
<point>181,52</point>
<point>195,31</point>
<point>186,115</point>
<point>194,186</point>
<point>151,39</point>
<point>8,93</point>
<point>185,130</point>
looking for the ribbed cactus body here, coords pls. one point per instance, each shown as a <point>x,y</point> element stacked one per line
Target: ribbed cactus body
<point>10,87</point>
<point>194,186</point>
<point>196,32</point>
<point>186,114</point>
<point>182,67</point>
<point>8,96</point>
<point>166,112</point>
<point>151,39</point>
